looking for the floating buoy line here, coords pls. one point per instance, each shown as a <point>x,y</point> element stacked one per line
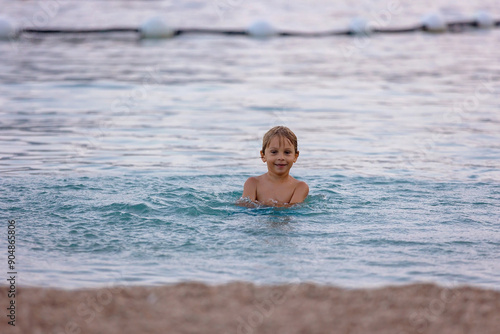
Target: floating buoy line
<point>158,28</point>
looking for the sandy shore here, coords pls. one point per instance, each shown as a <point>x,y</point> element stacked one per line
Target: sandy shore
<point>247,308</point>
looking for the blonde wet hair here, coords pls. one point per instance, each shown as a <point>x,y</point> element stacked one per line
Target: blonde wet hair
<point>281,132</point>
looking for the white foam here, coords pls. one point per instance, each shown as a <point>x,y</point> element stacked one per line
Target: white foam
<point>434,22</point>
<point>156,27</point>
<point>8,30</point>
<point>261,28</point>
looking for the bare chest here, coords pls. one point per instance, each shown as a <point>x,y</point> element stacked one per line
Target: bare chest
<point>275,192</point>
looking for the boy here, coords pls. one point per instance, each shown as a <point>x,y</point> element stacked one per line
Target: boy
<point>276,187</point>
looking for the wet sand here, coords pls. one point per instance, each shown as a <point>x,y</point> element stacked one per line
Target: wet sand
<point>248,308</point>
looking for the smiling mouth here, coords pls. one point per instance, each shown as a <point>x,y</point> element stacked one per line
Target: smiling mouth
<point>280,165</point>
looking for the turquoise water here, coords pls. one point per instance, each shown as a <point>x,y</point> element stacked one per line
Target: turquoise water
<point>121,160</point>
<point>352,231</point>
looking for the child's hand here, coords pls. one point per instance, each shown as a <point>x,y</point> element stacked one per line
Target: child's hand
<point>247,202</point>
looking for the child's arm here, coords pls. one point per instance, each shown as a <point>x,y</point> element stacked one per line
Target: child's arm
<point>249,196</point>
<point>300,193</point>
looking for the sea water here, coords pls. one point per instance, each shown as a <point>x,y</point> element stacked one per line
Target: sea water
<point>121,159</point>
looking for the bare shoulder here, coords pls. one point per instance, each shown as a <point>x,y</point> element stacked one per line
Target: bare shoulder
<point>301,186</point>
<point>250,188</point>
<point>253,180</point>
<point>299,183</point>
<point>300,193</point>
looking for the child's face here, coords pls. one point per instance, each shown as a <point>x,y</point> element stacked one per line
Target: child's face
<point>280,155</point>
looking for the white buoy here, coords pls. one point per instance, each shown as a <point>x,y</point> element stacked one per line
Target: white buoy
<point>360,26</point>
<point>7,29</point>
<point>156,27</point>
<point>434,22</point>
<point>261,28</point>
<point>484,19</point>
